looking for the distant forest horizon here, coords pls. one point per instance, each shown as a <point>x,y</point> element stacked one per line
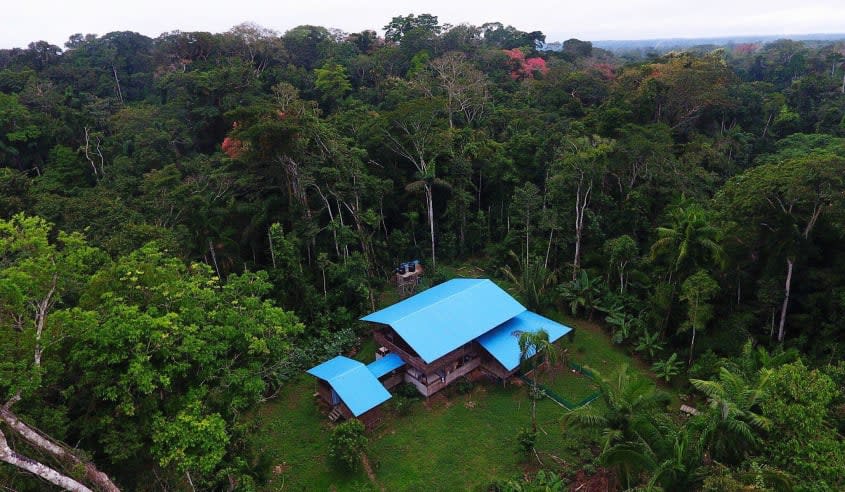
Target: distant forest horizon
<point>658,43</point>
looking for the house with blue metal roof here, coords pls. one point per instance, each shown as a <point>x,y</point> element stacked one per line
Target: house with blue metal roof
<point>431,339</point>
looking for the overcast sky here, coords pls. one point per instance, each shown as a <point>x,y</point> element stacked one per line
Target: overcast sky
<point>23,21</point>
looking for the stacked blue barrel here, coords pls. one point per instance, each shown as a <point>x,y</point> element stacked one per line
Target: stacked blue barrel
<point>407,267</point>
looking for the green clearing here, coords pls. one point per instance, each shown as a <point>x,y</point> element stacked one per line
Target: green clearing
<point>455,442</point>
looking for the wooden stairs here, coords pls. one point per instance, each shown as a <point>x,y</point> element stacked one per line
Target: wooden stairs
<point>335,414</point>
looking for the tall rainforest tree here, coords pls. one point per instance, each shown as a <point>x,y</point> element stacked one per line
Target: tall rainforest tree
<point>782,203</point>
<point>579,166</point>
<point>620,251</point>
<point>526,201</point>
<point>415,131</point>
<point>689,242</point>
<point>149,325</point>
<point>462,88</point>
<point>697,291</point>
<point>154,360</point>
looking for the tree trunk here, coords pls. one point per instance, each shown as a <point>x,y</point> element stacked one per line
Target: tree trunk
<point>768,121</point>
<point>7,455</point>
<point>88,156</point>
<point>429,202</point>
<point>272,253</point>
<point>621,278</point>
<point>772,328</point>
<point>117,84</point>
<point>527,230</point>
<point>41,311</point>
<point>214,258</point>
<point>38,440</point>
<point>581,203</point>
<point>692,345</point>
<point>462,231</point>
<point>576,262</point>
<point>782,326</point>
<point>331,219</point>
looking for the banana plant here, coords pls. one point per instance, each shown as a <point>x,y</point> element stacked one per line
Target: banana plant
<point>667,369</point>
<point>650,344</point>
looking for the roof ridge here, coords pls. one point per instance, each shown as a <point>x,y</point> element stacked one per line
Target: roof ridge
<point>354,367</point>
<point>443,299</point>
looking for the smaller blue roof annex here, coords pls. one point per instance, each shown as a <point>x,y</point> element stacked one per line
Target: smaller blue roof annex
<point>441,319</point>
<point>503,342</point>
<point>353,382</point>
<point>389,362</point>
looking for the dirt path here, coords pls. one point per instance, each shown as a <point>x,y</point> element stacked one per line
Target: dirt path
<point>368,468</point>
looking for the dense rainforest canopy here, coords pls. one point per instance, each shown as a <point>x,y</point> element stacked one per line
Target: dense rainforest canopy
<point>188,221</point>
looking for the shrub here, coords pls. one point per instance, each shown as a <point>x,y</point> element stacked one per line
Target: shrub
<point>400,405</point>
<point>347,443</point>
<point>407,390</point>
<point>463,385</point>
<point>526,439</point>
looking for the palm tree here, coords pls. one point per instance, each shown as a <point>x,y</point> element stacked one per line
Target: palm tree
<point>535,345</point>
<point>631,408</point>
<point>730,427</point>
<point>670,457</point>
<point>690,241</point>
<point>753,359</point>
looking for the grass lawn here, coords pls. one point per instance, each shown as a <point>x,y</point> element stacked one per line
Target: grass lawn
<point>458,443</point>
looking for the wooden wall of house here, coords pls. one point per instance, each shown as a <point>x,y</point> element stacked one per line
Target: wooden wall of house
<point>345,411</point>
<point>391,380</point>
<point>371,417</point>
<point>435,383</point>
<point>494,367</point>
<point>325,391</point>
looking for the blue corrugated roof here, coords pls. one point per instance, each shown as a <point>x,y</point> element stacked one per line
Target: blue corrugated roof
<point>359,389</point>
<point>503,342</point>
<point>389,362</point>
<point>442,318</point>
<point>333,368</point>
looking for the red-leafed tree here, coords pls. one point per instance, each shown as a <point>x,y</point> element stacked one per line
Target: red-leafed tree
<point>232,147</point>
<point>606,70</point>
<point>746,48</point>
<point>525,68</point>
